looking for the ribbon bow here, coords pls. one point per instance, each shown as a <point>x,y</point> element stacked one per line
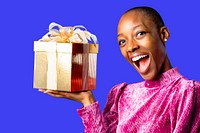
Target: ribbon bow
<point>75,34</point>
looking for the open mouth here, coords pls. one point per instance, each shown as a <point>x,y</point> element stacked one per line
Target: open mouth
<point>141,62</point>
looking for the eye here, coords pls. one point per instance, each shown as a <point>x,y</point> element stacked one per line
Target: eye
<point>122,42</point>
<point>140,34</point>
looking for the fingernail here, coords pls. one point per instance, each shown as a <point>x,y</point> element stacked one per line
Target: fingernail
<point>46,91</point>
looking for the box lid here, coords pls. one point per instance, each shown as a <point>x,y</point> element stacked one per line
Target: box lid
<point>65,47</point>
<point>45,46</point>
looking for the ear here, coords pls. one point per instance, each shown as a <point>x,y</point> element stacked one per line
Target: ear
<point>164,34</point>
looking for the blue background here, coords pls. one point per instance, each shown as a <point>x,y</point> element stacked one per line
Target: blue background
<point>23,109</point>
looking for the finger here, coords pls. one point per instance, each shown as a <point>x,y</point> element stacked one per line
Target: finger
<point>51,91</point>
<point>56,92</point>
<point>41,90</point>
<point>59,94</point>
<point>55,95</point>
<point>62,94</point>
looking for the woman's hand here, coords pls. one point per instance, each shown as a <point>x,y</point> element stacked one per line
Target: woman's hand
<point>84,97</point>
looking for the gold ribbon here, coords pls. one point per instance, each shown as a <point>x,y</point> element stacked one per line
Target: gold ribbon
<point>75,34</point>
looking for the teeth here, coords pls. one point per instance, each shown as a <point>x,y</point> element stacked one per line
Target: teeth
<point>138,57</point>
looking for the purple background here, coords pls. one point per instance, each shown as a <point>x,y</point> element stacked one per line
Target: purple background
<point>24,109</point>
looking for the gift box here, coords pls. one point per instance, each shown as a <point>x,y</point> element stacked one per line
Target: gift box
<point>65,66</point>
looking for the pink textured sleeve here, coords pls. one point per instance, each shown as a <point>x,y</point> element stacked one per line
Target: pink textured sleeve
<point>196,113</point>
<point>91,118</point>
<point>94,121</point>
<point>188,109</point>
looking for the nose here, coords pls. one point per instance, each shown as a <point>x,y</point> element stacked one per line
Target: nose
<point>132,46</point>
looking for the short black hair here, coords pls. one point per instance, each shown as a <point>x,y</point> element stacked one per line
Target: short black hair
<point>152,13</point>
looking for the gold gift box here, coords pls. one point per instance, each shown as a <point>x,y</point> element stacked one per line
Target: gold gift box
<point>65,66</point>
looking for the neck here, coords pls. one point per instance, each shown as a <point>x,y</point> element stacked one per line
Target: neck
<point>166,65</point>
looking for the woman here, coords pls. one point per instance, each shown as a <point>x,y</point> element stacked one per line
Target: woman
<point>164,102</point>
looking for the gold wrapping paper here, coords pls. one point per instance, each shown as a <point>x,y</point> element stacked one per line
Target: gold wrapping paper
<point>65,66</point>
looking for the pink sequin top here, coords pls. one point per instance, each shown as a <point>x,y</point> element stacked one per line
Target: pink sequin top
<point>169,104</point>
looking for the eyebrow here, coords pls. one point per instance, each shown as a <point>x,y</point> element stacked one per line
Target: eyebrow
<point>133,28</point>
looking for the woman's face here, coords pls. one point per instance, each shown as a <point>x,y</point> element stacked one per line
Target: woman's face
<point>142,44</point>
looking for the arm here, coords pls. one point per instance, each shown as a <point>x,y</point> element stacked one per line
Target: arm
<point>196,111</point>
<point>94,121</point>
<point>188,109</point>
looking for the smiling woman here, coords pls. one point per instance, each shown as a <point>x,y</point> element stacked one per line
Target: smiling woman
<point>141,35</point>
<point>164,102</point>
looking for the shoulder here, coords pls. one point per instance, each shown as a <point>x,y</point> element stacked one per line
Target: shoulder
<point>113,97</point>
<point>117,89</point>
<point>122,88</point>
<point>190,92</point>
<point>116,92</point>
<point>185,83</point>
<point>189,86</point>
<point>197,84</point>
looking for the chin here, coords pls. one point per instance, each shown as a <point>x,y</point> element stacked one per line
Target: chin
<point>149,76</point>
